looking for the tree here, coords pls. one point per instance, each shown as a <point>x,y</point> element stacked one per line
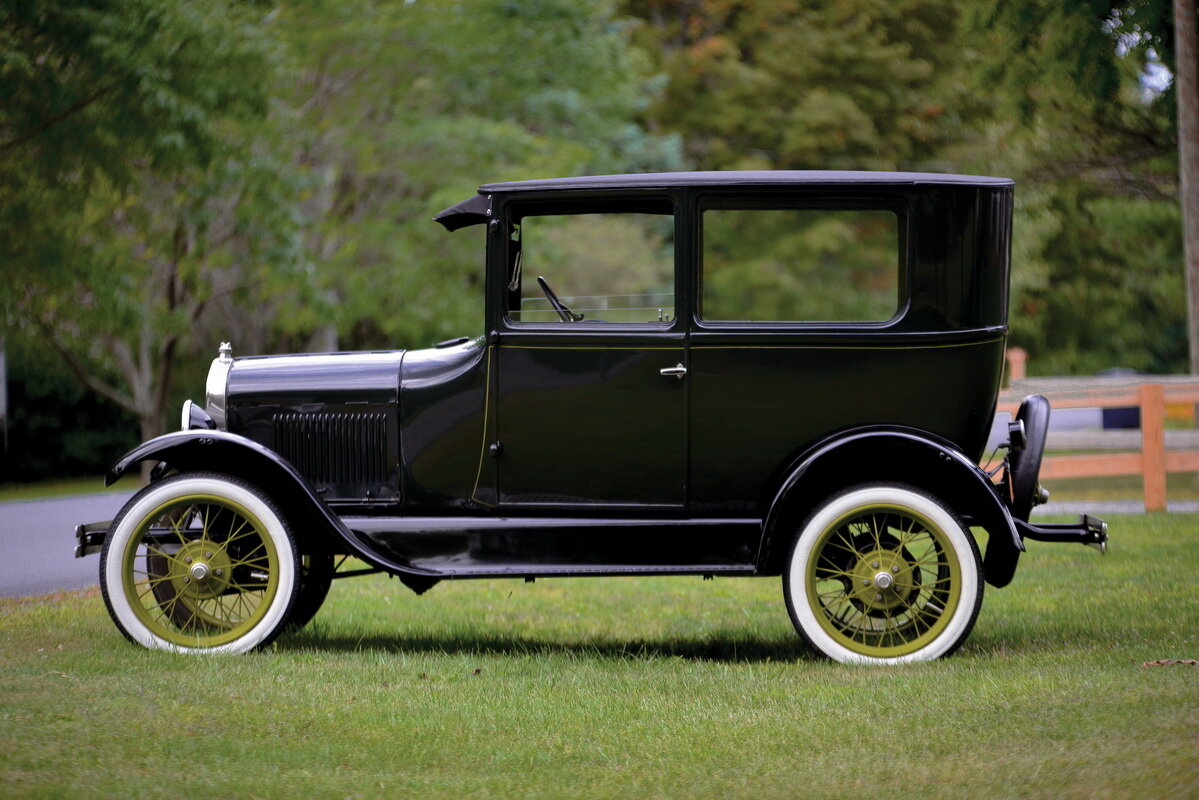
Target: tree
<point>128,194</point>
<point>1186,72</point>
<point>864,84</point>
<point>404,109</point>
<point>178,172</point>
<point>1083,124</point>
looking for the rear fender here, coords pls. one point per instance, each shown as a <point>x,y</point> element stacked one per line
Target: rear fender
<point>892,454</point>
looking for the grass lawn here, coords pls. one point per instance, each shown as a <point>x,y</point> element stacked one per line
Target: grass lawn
<point>624,688</point>
<point>63,488</point>
<point>1179,486</point>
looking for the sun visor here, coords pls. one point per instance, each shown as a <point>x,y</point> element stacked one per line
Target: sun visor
<point>472,211</point>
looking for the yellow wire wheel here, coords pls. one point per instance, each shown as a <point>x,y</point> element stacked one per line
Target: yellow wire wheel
<point>883,573</point>
<point>199,562</point>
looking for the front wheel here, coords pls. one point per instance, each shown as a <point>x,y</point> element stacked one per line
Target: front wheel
<point>883,573</point>
<point>316,577</point>
<point>199,562</point>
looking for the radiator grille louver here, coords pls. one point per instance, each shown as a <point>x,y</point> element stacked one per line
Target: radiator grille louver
<point>334,448</point>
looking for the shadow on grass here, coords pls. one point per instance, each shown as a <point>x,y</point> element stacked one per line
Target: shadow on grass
<point>720,648</point>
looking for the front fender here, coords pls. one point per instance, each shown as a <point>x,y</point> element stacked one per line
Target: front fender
<point>231,454</point>
<point>893,454</point>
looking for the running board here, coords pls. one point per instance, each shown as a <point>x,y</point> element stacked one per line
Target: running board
<point>476,547</point>
<point>1090,531</point>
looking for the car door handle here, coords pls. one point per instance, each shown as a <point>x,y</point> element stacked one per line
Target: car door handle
<point>677,371</point>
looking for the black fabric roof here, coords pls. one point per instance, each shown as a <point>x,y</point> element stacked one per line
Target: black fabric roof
<point>474,210</point>
<point>662,180</point>
<point>477,209</point>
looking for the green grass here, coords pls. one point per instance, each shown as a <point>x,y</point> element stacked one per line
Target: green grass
<point>70,486</point>
<point>654,687</point>
<point>1179,486</point>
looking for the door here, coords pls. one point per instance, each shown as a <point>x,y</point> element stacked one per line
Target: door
<point>590,358</point>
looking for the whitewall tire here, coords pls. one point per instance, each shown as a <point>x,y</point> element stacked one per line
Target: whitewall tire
<point>883,574</point>
<point>199,563</point>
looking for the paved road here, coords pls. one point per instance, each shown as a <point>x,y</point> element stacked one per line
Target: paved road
<point>37,543</point>
<point>1100,507</point>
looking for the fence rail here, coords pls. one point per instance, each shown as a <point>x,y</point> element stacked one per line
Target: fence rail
<point>1160,452</point>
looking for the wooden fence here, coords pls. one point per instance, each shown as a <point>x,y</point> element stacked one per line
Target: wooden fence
<point>1158,451</point>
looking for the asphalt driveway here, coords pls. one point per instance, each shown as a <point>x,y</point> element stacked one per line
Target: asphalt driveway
<point>37,543</point>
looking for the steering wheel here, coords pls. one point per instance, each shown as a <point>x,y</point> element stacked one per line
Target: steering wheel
<point>564,312</point>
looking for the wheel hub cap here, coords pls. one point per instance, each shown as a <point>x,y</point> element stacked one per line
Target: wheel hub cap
<point>203,569</point>
<point>882,580</point>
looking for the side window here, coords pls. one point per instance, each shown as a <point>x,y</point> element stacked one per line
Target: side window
<point>800,264</point>
<point>594,268</point>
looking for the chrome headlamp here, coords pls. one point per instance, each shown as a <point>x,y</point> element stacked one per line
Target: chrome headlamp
<point>216,388</point>
<point>195,418</point>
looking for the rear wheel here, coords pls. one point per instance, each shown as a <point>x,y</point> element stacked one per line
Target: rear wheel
<point>883,573</point>
<point>199,562</point>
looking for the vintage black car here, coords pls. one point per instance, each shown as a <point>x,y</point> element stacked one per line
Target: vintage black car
<point>726,373</point>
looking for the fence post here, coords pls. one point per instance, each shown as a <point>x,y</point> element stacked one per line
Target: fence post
<point>1017,362</point>
<point>1153,445</point>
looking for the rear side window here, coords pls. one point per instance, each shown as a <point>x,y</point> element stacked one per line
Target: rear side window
<point>800,264</point>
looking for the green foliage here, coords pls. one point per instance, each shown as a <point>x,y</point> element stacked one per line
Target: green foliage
<point>1100,285</point>
<point>174,174</point>
<point>100,89</point>
<point>862,84</point>
<point>404,109</point>
<point>133,191</point>
<point>1097,252</point>
<point>1053,54</point>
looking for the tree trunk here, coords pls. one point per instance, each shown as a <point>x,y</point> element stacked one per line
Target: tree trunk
<point>151,426</point>
<point>1186,83</point>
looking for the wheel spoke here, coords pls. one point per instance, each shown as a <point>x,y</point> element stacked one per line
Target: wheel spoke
<point>874,531</point>
<point>931,557</point>
<point>151,585</point>
<point>244,598</point>
<point>237,534</point>
<point>243,562</point>
<point>848,548</point>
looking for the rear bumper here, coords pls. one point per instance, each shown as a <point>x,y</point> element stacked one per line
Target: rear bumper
<point>1090,531</point>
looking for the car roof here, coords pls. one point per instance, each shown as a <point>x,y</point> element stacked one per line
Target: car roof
<point>780,178</point>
